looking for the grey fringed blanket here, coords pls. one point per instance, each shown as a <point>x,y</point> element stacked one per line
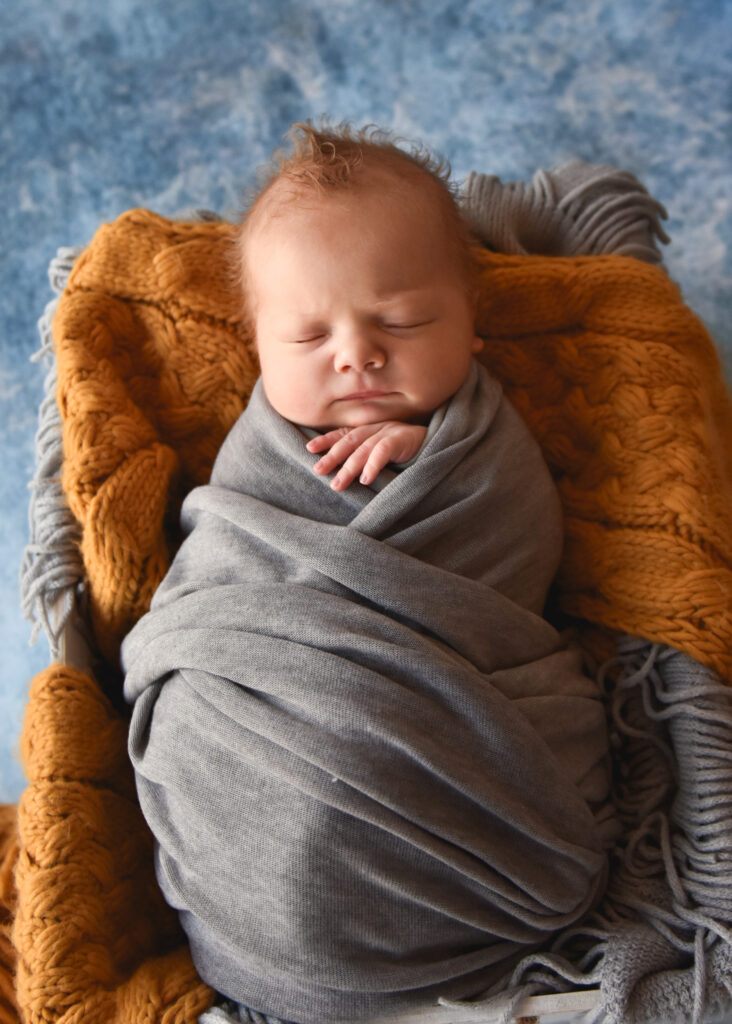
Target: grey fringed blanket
<point>367,760</point>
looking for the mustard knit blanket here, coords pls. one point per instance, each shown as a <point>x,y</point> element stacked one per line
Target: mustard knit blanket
<point>615,377</point>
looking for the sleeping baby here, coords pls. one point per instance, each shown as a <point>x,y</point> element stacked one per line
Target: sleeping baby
<point>374,772</point>
<point>359,291</point>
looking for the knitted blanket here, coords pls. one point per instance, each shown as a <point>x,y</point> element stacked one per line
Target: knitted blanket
<point>355,696</point>
<point>615,377</point>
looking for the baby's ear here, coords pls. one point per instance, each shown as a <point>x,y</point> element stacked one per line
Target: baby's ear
<point>478,344</point>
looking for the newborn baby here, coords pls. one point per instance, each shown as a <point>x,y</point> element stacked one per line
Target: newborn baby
<point>362,302</point>
<point>374,773</point>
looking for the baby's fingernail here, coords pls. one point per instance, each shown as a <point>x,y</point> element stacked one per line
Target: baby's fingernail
<point>364,478</point>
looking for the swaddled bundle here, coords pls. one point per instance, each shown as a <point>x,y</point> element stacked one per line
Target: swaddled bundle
<point>368,762</point>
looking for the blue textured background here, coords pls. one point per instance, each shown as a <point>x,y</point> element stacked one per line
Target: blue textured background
<point>171,104</point>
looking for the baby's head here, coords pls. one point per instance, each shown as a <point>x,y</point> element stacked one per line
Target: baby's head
<point>358,282</point>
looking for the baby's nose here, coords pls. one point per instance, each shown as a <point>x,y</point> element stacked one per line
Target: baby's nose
<point>359,350</point>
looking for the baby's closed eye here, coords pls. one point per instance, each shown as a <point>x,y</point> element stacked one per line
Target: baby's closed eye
<point>406,325</point>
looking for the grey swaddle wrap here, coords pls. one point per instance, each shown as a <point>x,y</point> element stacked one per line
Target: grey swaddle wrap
<point>367,761</point>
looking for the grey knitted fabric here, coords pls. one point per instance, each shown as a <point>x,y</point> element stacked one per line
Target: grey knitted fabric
<point>367,760</point>
<point>577,209</point>
<point>52,571</point>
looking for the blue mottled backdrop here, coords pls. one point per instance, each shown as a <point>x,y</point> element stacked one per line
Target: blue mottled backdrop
<point>171,104</point>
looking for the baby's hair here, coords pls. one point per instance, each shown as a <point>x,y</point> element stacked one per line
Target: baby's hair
<point>324,159</point>
<point>328,156</point>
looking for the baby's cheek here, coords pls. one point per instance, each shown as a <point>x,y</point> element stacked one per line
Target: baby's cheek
<point>299,396</point>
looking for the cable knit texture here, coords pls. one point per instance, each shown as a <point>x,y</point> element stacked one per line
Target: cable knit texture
<point>617,379</point>
<point>8,903</point>
<point>95,939</point>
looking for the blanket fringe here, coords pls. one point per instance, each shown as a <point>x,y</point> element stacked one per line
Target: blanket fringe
<point>575,209</point>
<point>52,570</point>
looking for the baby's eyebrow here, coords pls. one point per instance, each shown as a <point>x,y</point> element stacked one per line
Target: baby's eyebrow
<point>401,293</point>
<point>291,317</point>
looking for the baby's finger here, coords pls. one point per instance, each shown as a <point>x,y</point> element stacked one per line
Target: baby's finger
<point>339,452</point>
<point>352,467</point>
<point>324,441</point>
<point>379,456</point>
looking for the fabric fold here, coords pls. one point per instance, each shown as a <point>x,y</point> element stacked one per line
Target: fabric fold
<point>344,732</point>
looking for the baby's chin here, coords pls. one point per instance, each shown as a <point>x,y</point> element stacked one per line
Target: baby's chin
<point>347,415</point>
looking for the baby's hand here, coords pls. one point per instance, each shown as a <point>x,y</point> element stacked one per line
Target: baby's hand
<point>365,450</point>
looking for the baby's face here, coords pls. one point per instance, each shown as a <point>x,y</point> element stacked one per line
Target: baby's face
<point>360,311</point>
